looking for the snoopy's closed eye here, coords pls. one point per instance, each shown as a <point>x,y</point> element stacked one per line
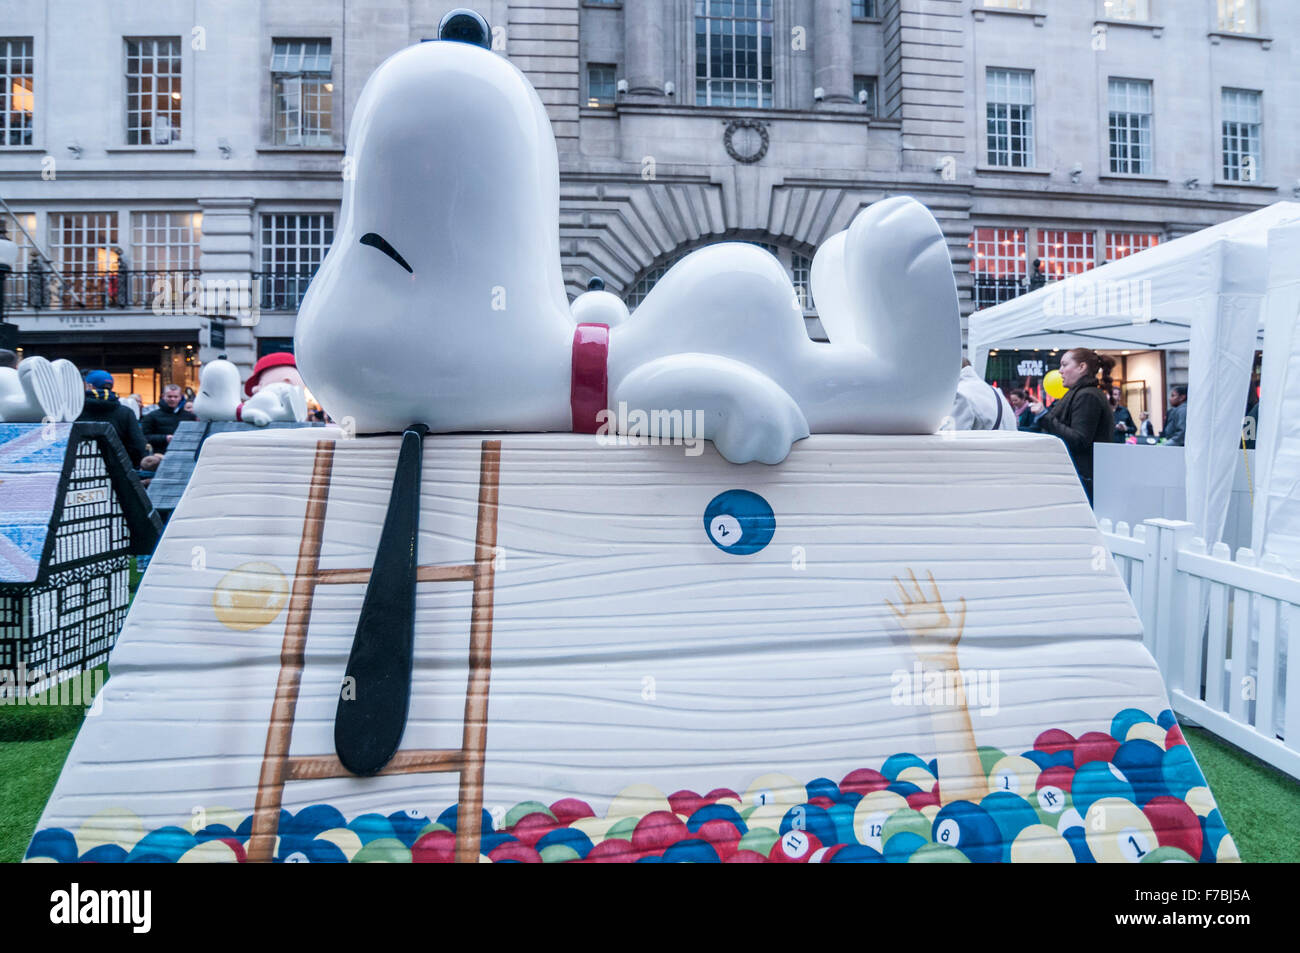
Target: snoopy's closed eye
<point>378,241</point>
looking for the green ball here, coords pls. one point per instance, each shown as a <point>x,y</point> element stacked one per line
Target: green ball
<point>522,810</point>
<point>623,829</point>
<point>759,840</point>
<point>383,850</point>
<point>937,854</point>
<point>558,854</point>
<point>430,828</point>
<point>989,757</point>
<point>907,820</point>
<point>1168,855</point>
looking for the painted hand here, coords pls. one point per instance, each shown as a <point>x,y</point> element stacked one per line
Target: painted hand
<point>933,633</point>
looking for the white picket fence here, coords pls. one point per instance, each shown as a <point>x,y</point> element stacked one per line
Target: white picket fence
<point>1220,629</point>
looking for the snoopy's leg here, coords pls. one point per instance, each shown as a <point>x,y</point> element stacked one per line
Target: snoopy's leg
<point>745,413</point>
<point>255,416</point>
<point>74,389</point>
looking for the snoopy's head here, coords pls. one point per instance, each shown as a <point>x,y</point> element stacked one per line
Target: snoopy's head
<point>219,391</point>
<point>447,247</point>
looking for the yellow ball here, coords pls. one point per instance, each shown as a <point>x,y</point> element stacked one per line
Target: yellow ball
<point>114,825</point>
<point>1146,731</point>
<point>1054,385</point>
<point>775,789</point>
<point>638,800</point>
<point>917,775</point>
<point>1200,800</point>
<point>871,813</point>
<point>1039,844</point>
<point>1118,832</point>
<point>1227,852</point>
<point>250,596</point>
<point>344,839</point>
<point>1015,774</point>
<point>210,852</point>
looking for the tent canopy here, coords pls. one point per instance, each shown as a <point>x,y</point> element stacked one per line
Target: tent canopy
<point>1204,293</point>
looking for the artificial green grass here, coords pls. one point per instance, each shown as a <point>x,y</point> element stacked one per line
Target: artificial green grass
<point>1260,805</point>
<point>28,770</point>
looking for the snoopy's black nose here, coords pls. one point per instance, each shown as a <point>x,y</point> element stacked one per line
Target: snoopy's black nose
<point>596,284</point>
<point>465,26</point>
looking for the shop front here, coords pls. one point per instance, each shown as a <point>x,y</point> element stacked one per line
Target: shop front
<point>139,362</point>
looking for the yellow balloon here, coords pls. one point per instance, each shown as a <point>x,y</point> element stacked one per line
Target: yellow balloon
<point>1054,386</point>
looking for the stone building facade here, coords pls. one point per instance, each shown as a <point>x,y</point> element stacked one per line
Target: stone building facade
<point>1064,131</point>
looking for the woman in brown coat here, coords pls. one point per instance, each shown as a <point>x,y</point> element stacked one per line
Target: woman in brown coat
<point>1083,416</point>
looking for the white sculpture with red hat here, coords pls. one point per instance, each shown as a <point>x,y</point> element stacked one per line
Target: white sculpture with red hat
<point>275,392</point>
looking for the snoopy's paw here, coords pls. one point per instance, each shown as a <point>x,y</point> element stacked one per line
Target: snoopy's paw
<point>745,438</point>
<point>255,416</point>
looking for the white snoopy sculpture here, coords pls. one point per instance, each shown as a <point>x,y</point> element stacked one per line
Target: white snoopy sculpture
<point>39,391</point>
<point>220,398</point>
<point>441,301</point>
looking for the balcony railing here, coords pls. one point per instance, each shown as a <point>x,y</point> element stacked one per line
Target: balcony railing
<point>41,290</point>
<point>283,290</point>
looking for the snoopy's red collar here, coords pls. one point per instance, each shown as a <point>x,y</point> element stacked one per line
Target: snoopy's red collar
<point>589,383</point>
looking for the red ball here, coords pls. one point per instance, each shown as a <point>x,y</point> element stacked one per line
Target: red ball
<point>746,857</point>
<point>658,830</point>
<point>512,851</point>
<point>824,803</point>
<point>863,781</point>
<point>718,794</point>
<point>237,847</point>
<point>830,852</point>
<point>1175,824</point>
<point>612,851</point>
<point>721,835</point>
<point>686,803</point>
<point>569,809</point>
<point>531,828</point>
<point>1058,776</point>
<point>921,799</point>
<point>1053,740</point>
<point>435,847</point>
<point>1094,746</point>
<point>1174,736</point>
<point>794,847</point>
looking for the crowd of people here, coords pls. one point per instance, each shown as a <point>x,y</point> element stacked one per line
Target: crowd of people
<point>1092,410</point>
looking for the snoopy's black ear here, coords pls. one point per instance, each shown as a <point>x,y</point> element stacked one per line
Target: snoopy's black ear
<point>596,284</point>
<point>465,26</point>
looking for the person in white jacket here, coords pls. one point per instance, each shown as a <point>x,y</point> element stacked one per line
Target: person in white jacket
<point>979,405</point>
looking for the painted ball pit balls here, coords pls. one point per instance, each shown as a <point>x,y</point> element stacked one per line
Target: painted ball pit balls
<point>214,832</point>
<point>842,814</point>
<point>863,781</point>
<point>686,803</point>
<point>1200,800</point>
<point>921,777</point>
<point>970,829</point>
<point>1015,775</point>
<point>1175,824</point>
<point>491,840</point>
<point>438,847</point>
<point>1069,818</point>
<point>1012,814</point>
<point>716,812</point>
<point>250,596</point>
<point>385,850</point>
<point>1057,776</point>
<point>1126,719</point>
<point>650,859</point>
<point>989,756</point>
<point>575,840</point>
<point>310,821</point>
<point>815,820</point>
<point>719,794</point>
<point>54,843</point>
<point>794,847</point>
<point>1214,831</point>
<point>514,853</point>
<point>1227,852</point>
<point>448,819</point>
<point>1174,736</point>
<point>611,852</point>
<point>922,799</point>
<point>1167,719</point>
<point>855,854</point>
<point>531,828</point>
<point>906,820</point>
<point>1168,855</point>
<point>1148,731</point>
<point>1094,746</point>
<point>558,854</point>
<point>895,764</point>
<point>937,854</point>
<point>220,852</point>
<point>658,830</point>
<point>522,810</point>
<point>1040,844</point>
<point>902,846</point>
<point>623,828</point>
<point>106,854</point>
<point>824,803</point>
<point>1141,761</point>
<point>758,839</point>
<point>747,857</point>
<point>1180,772</point>
<point>304,850</point>
<point>822,787</point>
<point>1052,804</point>
<point>694,851</point>
<point>1078,841</point>
<point>769,789</point>
<point>345,840</point>
<point>1118,832</point>
<point>721,835</point>
<point>370,827</point>
<point>870,815</point>
<point>1097,780</point>
<point>903,789</point>
<point>1040,758</point>
<point>1053,740</point>
<point>569,809</point>
<point>169,842</point>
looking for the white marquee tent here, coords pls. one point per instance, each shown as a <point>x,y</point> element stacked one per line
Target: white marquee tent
<point>1206,293</point>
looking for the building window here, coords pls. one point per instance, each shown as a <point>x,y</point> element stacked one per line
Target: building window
<point>1122,244</point>
<point>998,264</point>
<point>1242,120</point>
<point>17,293</point>
<point>864,8</point>
<point>1065,252</point>
<point>303,91</point>
<point>85,249</point>
<point>600,85</point>
<point>865,85</point>
<point>801,275</point>
<point>293,246</point>
<point>1008,4</point>
<point>1125,9</point>
<point>153,91</point>
<point>1130,126</point>
<point>17,91</point>
<point>1239,16</point>
<point>733,52</point>
<point>164,246</point>
<point>1010,95</point>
